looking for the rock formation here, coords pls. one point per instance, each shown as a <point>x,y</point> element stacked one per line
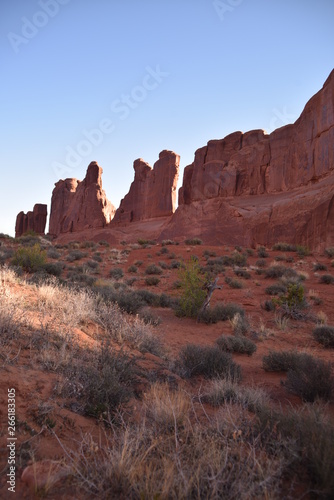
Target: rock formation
<point>78,205</point>
<point>258,188</point>
<point>32,221</point>
<point>153,191</point>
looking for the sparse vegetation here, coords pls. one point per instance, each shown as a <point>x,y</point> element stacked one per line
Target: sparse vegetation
<point>193,241</point>
<point>152,281</point>
<point>324,334</point>
<point>328,279</point>
<point>153,269</point>
<point>116,273</point>
<point>284,247</point>
<point>31,259</point>
<point>207,361</point>
<point>230,343</point>
<point>221,312</point>
<point>192,286</point>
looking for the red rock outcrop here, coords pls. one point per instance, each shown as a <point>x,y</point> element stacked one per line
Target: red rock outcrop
<point>153,191</point>
<point>32,221</point>
<point>78,205</point>
<point>258,188</point>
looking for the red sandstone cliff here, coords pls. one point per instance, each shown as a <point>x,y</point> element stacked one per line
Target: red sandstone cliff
<point>153,191</point>
<point>78,205</point>
<point>257,188</point>
<point>32,221</point>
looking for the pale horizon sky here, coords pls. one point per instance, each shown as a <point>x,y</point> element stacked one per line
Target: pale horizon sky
<point>113,81</point>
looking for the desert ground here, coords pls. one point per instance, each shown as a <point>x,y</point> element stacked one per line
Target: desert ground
<point>120,394</point>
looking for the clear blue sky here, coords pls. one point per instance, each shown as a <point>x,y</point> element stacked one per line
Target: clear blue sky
<point>152,75</point>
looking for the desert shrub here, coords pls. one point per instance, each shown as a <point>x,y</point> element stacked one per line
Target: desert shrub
<point>169,242</point>
<point>282,361</point>
<point>192,286</point>
<point>284,247</point>
<point>328,279</point>
<point>324,334</point>
<point>239,324</point>
<point>239,259</point>
<point>31,259</point>
<point>329,252</point>
<point>76,255</point>
<point>209,253</point>
<point>242,273</point>
<point>233,283</point>
<point>52,253</point>
<point>153,269</point>
<point>276,289</point>
<point>103,243</point>
<point>132,269</point>
<point>318,266</point>
<point>262,253</point>
<point>138,263</point>
<point>92,264</point>
<point>207,361</point>
<point>279,271</point>
<point>261,263</point>
<point>79,277</point>
<point>302,251</point>
<point>309,434</point>
<point>294,297</point>
<point>222,391</point>
<point>215,266</point>
<point>5,255</point>
<point>220,312</point>
<point>152,281</point>
<point>116,273</point>
<point>311,379</point>
<point>30,238</point>
<point>101,383</point>
<point>238,344</point>
<point>163,264</point>
<point>97,257</point>
<point>54,268</point>
<point>164,250</point>
<point>145,243</point>
<point>88,244</point>
<point>193,241</point>
<point>268,305</point>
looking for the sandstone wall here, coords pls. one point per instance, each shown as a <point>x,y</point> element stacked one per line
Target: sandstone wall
<point>153,191</point>
<point>31,221</point>
<point>78,205</point>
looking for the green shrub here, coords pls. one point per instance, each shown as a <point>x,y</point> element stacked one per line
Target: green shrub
<point>144,243</point>
<point>192,286</point>
<point>232,343</point>
<point>328,279</point>
<point>220,312</point>
<point>207,361</point>
<point>152,281</point>
<point>324,334</point>
<point>193,241</point>
<point>116,273</point>
<point>31,259</point>
<point>153,269</point>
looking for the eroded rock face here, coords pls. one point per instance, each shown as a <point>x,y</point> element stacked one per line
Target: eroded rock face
<point>153,191</point>
<point>256,163</point>
<point>32,221</point>
<point>78,205</point>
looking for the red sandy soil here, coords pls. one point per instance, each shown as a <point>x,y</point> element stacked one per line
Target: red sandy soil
<point>33,385</point>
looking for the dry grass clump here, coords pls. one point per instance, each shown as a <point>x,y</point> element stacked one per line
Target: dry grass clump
<point>67,305</point>
<point>167,409</point>
<point>181,460</point>
<point>221,391</point>
<point>12,314</point>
